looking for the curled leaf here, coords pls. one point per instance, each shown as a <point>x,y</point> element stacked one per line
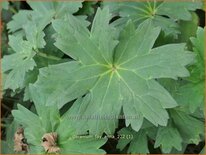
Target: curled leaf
<point>20,141</point>
<point>49,142</point>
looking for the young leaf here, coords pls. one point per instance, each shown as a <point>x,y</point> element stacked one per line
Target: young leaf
<point>17,64</point>
<point>161,13</point>
<point>114,76</point>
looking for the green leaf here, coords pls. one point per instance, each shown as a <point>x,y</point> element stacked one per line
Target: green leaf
<point>189,127</point>
<point>36,36</point>
<point>7,145</point>
<point>22,61</point>
<point>88,8</point>
<point>42,14</point>
<point>5,5</point>
<point>203,150</point>
<point>30,77</point>
<point>139,144</point>
<point>91,44</point>
<point>58,9</point>
<point>188,28</point>
<point>138,58</point>
<point>18,20</point>
<point>122,143</point>
<point>161,13</point>
<point>50,48</point>
<point>112,76</point>
<point>33,132</point>
<point>139,87</point>
<point>137,141</point>
<point>30,25</point>
<point>83,145</point>
<point>48,120</point>
<point>167,8</point>
<point>198,69</point>
<point>190,97</point>
<point>18,64</point>
<point>72,116</point>
<point>79,80</point>
<point>195,85</point>
<point>194,101</point>
<point>104,98</point>
<point>167,138</point>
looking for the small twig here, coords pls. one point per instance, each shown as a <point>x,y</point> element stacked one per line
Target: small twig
<point>6,107</point>
<point>48,56</point>
<point>12,10</point>
<point>11,99</point>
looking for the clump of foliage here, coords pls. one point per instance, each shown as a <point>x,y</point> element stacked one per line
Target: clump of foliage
<point>73,68</point>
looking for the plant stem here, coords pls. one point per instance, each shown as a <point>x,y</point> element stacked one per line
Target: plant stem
<point>6,107</point>
<point>48,56</point>
<point>12,10</point>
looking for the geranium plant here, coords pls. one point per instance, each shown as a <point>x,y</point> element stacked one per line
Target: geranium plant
<point>103,77</point>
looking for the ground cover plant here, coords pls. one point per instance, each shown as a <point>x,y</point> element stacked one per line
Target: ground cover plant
<point>83,77</point>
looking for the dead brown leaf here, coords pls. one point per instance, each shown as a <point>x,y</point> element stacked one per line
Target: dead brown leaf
<point>19,141</point>
<point>49,142</point>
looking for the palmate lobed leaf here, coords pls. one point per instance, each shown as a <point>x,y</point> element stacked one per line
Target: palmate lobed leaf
<point>161,13</point>
<point>29,27</point>
<point>190,128</point>
<point>57,8</point>
<point>49,120</point>
<point>191,102</point>
<point>17,64</point>
<point>175,136</point>
<point>196,81</point>
<point>113,74</point>
<point>198,69</point>
<point>21,64</point>
<point>167,138</point>
<point>42,13</point>
<point>137,142</point>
